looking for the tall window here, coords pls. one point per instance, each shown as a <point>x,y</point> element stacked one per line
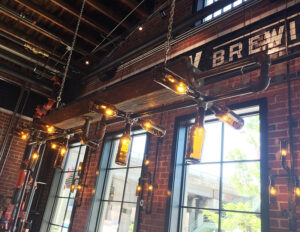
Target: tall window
<point>200,4</point>
<point>57,217</point>
<point>224,192</point>
<point>114,207</point>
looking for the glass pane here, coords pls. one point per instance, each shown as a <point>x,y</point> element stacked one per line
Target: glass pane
<point>243,144</point>
<point>72,159</point>
<point>65,184</point>
<point>202,186</point>
<point>227,8</point>
<point>110,217</point>
<point>131,183</point>
<point>241,186</point>
<point>67,220</point>
<point>55,228</point>
<point>236,3</point>
<point>212,143</point>
<point>199,220</point>
<point>137,150</point>
<point>113,155</point>
<point>240,222</point>
<point>59,211</point>
<point>115,184</point>
<point>127,218</point>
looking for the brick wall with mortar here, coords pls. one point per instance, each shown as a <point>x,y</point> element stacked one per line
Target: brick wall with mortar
<point>278,129</point>
<point>9,176</point>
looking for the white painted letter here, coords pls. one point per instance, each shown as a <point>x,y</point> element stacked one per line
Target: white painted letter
<point>235,49</point>
<point>275,39</point>
<point>197,59</point>
<point>254,46</point>
<point>218,58</point>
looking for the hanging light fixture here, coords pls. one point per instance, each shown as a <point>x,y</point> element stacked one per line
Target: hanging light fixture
<point>196,138</point>
<point>171,80</point>
<point>228,116</point>
<point>53,146</point>
<point>283,148</point>
<point>138,188</point>
<point>50,129</point>
<point>105,109</point>
<point>72,189</point>
<point>60,157</point>
<point>33,160</point>
<point>23,135</point>
<point>149,126</point>
<point>297,191</point>
<point>121,158</point>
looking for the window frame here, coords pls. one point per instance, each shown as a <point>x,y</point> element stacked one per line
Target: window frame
<point>95,211</point>
<point>56,185</point>
<point>173,209</point>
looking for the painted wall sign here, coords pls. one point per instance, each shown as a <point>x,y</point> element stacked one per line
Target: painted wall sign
<point>265,36</point>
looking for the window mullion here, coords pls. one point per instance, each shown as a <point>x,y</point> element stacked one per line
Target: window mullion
<point>221,178</point>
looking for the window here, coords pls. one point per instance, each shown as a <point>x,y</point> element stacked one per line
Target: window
<point>58,213</point>
<point>226,191</point>
<point>114,206</point>
<point>200,4</point>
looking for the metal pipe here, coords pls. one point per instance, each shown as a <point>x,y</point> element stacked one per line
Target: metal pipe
<point>7,134</point>
<point>28,204</point>
<point>24,78</point>
<point>15,61</point>
<point>10,50</point>
<point>185,23</point>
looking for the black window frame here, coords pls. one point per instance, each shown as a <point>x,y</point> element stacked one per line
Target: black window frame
<point>100,182</point>
<point>175,187</point>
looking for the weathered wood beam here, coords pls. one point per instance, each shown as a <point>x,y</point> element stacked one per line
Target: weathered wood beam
<point>55,20</point>
<point>140,13</point>
<point>107,12</point>
<point>84,18</point>
<point>13,15</point>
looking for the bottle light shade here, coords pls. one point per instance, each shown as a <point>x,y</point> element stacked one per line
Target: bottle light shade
<point>33,161</point>
<point>228,116</point>
<point>150,126</point>
<point>124,144</point>
<point>283,147</point>
<point>138,190</point>
<point>273,191</point>
<point>172,81</point>
<point>59,161</point>
<point>196,139</point>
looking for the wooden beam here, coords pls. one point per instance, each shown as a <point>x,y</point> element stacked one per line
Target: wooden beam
<point>140,13</point>
<point>85,18</point>
<point>57,21</point>
<point>107,12</point>
<point>13,15</point>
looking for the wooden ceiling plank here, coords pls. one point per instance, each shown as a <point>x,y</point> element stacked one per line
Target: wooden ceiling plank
<point>85,18</point>
<point>9,13</point>
<point>107,12</point>
<point>140,13</point>
<point>36,9</point>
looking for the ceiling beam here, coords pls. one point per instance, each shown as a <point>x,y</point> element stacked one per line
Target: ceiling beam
<point>15,16</point>
<point>140,13</point>
<point>55,20</point>
<point>88,20</point>
<point>107,12</point>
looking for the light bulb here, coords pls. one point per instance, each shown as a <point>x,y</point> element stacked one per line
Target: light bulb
<point>147,162</point>
<point>138,190</point>
<point>297,191</point>
<point>181,88</point>
<point>62,150</point>
<point>140,28</point>
<point>50,129</point>
<point>87,62</point>
<point>35,155</point>
<point>53,145</point>
<point>150,187</point>
<point>24,135</point>
<point>80,166</point>
<point>79,187</point>
<point>72,188</point>
<point>273,191</point>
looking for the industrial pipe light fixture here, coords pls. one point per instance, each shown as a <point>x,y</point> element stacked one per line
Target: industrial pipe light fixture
<point>196,138</point>
<point>228,116</point>
<point>121,157</point>
<point>150,126</point>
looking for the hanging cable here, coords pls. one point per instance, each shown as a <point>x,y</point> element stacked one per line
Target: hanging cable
<point>70,55</point>
<point>169,34</point>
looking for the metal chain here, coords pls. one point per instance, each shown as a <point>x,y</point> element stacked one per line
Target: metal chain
<point>168,42</point>
<point>70,55</point>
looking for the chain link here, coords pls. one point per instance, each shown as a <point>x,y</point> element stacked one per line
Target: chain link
<point>169,34</point>
<point>70,56</point>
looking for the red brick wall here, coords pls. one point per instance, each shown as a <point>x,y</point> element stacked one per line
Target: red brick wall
<point>9,176</point>
<point>278,129</point>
